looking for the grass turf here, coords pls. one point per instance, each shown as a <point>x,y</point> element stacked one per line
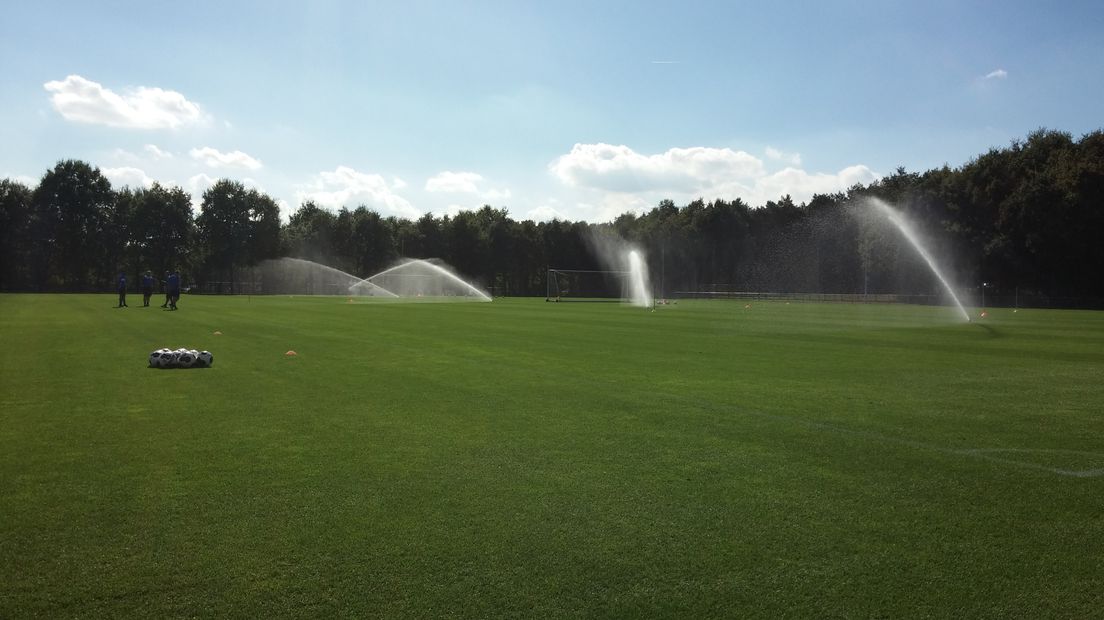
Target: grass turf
<point>524,458</point>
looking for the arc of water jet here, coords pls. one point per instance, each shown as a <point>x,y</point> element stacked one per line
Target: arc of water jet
<point>375,288</point>
<point>436,268</point>
<point>907,231</point>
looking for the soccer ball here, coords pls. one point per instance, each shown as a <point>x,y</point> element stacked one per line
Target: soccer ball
<point>155,359</point>
<point>168,358</point>
<point>205,358</point>
<point>185,359</point>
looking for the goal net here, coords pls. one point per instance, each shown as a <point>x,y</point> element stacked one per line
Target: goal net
<point>587,285</point>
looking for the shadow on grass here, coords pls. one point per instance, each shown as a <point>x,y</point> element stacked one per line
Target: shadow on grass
<point>990,331</point>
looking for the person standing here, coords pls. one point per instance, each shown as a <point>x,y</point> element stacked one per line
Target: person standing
<point>147,288</point>
<point>165,282</point>
<point>174,289</point>
<point>121,286</point>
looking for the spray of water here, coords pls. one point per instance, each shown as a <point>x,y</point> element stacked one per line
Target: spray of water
<point>640,291</point>
<point>415,277</point>
<point>621,258</point>
<point>297,276</point>
<point>893,216</point>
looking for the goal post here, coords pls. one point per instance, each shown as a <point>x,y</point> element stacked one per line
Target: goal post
<point>586,285</point>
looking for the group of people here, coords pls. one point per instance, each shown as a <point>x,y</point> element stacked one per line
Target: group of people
<point>172,289</point>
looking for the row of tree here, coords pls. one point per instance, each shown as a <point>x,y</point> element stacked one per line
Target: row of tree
<point>1026,217</point>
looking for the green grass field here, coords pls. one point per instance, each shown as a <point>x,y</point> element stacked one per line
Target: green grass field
<point>532,459</point>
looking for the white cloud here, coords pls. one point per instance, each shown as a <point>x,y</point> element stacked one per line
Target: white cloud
<point>544,213</point>
<point>620,169</point>
<point>83,101</point>
<point>213,158</point>
<point>124,155</point>
<point>29,181</point>
<point>453,210</point>
<point>615,179</point>
<point>613,205</point>
<point>200,183</point>
<point>127,176</point>
<point>492,196</point>
<point>801,185</point>
<point>345,187</point>
<point>998,74</point>
<point>285,209</point>
<point>454,182</point>
<point>196,186</point>
<point>156,153</point>
<point>397,183</point>
<point>777,155</point>
<point>466,183</point>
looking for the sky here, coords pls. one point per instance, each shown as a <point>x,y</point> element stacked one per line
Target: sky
<point>569,110</point>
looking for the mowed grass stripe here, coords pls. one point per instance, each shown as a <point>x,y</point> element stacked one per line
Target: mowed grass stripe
<point>530,458</point>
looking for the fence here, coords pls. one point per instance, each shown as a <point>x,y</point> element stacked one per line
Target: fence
<point>972,298</point>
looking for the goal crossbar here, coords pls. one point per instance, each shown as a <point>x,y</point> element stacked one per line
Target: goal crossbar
<point>561,283</point>
<point>551,269</point>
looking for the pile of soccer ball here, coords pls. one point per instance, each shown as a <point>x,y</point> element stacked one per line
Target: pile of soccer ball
<point>180,358</point>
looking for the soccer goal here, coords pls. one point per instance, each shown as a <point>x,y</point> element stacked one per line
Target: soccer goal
<point>586,285</point>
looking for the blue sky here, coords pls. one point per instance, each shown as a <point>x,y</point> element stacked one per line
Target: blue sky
<point>578,110</point>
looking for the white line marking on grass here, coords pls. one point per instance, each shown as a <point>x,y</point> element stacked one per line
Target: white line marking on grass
<point>985,453</point>
<point>978,453</point>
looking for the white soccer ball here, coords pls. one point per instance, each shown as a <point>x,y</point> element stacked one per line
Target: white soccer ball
<point>185,359</point>
<point>168,359</point>
<point>155,359</point>
<point>205,358</point>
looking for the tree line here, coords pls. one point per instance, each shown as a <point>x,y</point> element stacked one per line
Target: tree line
<point>1028,217</point>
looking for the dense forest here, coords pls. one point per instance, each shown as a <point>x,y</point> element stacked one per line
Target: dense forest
<point>1026,218</point>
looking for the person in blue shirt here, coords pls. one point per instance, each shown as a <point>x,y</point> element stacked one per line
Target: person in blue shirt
<point>165,282</point>
<point>121,286</point>
<point>174,289</point>
<point>147,288</point>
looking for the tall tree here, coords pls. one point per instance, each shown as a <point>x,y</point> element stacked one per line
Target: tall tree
<point>374,240</point>
<point>15,235</point>
<point>223,227</point>
<point>429,237</point>
<point>309,233</point>
<point>263,216</point>
<point>237,227</point>
<point>162,229</point>
<point>467,246</point>
<point>71,206</point>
